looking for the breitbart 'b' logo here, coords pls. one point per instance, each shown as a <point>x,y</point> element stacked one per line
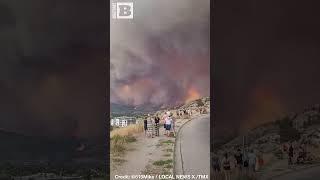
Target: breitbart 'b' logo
<point>122,10</point>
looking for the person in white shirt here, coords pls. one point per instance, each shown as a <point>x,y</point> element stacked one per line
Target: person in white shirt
<point>163,120</point>
<point>252,158</point>
<point>168,123</point>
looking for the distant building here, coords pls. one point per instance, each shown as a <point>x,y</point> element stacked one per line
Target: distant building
<point>123,121</point>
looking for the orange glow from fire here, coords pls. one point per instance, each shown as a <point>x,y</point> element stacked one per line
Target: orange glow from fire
<point>125,89</point>
<point>193,94</point>
<point>266,106</point>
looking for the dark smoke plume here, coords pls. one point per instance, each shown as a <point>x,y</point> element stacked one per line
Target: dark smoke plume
<point>162,55</point>
<point>52,68</point>
<point>266,61</point>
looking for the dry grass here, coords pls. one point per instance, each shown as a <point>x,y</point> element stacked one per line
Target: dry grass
<point>154,170</point>
<point>167,142</point>
<point>118,143</point>
<point>127,131</point>
<point>168,150</point>
<point>163,162</point>
<point>118,160</point>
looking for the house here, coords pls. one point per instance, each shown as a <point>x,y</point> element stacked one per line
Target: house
<point>122,121</point>
<point>114,122</point>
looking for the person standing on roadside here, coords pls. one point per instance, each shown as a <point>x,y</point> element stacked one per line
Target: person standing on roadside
<point>216,164</point>
<point>284,150</point>
<point>168,123</point>
<point>226,164</point>
<point>245,162</point>
<point>252,161</point>
<point>163,119</point>
<point>157,121</point>
<point>290,155</point>
<point>150,124</point>
<point>145,125</point>
<point>239,160</point>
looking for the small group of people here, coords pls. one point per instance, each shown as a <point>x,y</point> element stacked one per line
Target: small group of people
<point>183,112</point>
<point>203,110</point>
<point>240,163</point>
<point>297,154</point>
<point>190,112</point>
<point>152,125</point>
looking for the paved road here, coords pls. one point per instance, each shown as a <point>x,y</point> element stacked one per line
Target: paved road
<point>193,152</point>
<point>307,174</point>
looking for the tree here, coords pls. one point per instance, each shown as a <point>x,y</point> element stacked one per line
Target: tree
<point>287,132</point>
<point>200,103</point>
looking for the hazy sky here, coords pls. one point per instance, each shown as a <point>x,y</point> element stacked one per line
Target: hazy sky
<point>266,57</point>
<point>52,68</point>
<point>162,55</point>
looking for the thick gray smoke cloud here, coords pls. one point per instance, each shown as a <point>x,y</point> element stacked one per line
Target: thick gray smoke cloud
<point>52,66</point>
<point>266,61</point>
<point>162,55</point>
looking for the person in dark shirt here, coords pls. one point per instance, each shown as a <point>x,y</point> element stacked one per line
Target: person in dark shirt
<point>157,121</point>
<point>239,159</point>
<point>216,162</point>
<point>145,122</point>
<point>290,154</point>
<point>216,165</point>
<point>226,164</point>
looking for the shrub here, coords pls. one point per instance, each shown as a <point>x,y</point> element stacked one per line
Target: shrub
<point>199,102</point>
<point>118,143</point>
<point>127,131</point>
<point>287,132</point>
<point>162,162</point>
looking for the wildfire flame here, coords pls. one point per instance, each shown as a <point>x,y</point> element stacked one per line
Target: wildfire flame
<point>266,107</point>
<point>193,94</point>
<point>131,92</point>
<point>125,89</point>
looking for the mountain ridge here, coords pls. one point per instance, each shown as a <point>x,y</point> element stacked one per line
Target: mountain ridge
<point>301,128</point>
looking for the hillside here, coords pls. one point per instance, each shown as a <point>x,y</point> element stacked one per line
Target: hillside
<point>301,128</point>
<point>193,106</point>
<point>23,155</point>
<point>205,102</point>
<point>17,147</point>
<point>126,110</point>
